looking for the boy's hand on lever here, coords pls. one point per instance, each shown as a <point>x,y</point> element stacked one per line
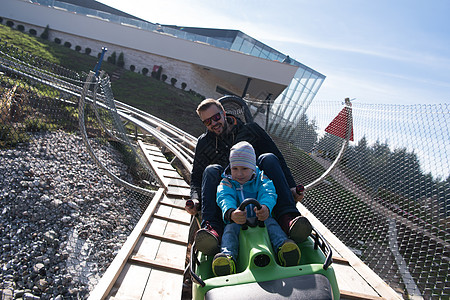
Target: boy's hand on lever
<point>263,213</point>
<point>239,216</point>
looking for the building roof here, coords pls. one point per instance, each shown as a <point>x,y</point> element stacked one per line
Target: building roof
<point>92,4</point>
<point>221,34</point>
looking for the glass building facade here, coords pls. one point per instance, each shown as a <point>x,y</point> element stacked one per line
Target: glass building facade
<point>285,110</point>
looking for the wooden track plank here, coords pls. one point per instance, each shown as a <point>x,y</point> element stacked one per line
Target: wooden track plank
<point>177,191</point>
<point>176,201</point>
<point>150,160</point>
<point>173,205</point>
<point>168,173</point>
<point>154,151</point>
<point>162,163</point>
<point>171,220</point>
<point>172,254</point>
<point>177,231</point>
<point>175,213</point>
<point>112,273</point>
<point>346,295</point>
<point>352,280</point>
<point>163,285</point>
<point>132,283</point>
<point>340,260</point>
<point>166,239</point>
<point>176,182</point>
<point>156,226</point>
<point>179,214</point>
<point>162,160</point>
<point>156,265</point>
<point>152,147</point>
<point>164,210</point>
<point>147,247</point>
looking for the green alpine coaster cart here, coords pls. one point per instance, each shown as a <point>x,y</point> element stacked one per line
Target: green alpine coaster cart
<point>259,276</point>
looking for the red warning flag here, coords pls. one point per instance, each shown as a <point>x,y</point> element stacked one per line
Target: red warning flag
<point>339,125</point>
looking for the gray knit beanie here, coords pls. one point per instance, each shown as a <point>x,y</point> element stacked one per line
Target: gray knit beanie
<point>242,154</point>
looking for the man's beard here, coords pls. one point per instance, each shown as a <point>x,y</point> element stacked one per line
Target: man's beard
<point>224,128</point>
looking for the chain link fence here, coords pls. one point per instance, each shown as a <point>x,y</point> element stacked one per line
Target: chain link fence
<point>389,198</point>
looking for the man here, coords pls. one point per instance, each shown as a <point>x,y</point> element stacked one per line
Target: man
<point>212,156</point>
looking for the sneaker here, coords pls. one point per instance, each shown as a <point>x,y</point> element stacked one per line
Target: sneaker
<point>299,229</point>
<point>207,240</point>
<point>223,265</point>
<point>289,254</point>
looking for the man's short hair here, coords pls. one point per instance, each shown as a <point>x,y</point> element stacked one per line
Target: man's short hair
<point>207,103</point>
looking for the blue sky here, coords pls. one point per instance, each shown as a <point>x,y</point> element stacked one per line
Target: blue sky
<point>382,51</point>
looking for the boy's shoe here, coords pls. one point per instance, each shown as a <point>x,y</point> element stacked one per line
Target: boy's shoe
<point>207,240</point>
<point>299,229</point>
<point>223,265</point>
<point>289,254</point>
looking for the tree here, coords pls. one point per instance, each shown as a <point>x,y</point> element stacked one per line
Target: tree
<point>45,33</point>
<point>112,58</point>
<point>120,60</point>
<point>330,145</point>
<point>304,134</point>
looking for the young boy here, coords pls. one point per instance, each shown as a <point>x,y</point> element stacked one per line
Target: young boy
<point>247,181</point>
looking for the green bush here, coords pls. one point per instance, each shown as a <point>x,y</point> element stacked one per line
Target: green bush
<point>44,34</point>
<point>163,77</point>
<point>10,136</point>
<point>112,59</point>
<point>87,51</point>
<point>57,41</point>
<point>183,85</point>
<point>120,60</point>
<point>33,31</point>
<point>67,44</point>
<point>9,23</point>
<point>144,71</point>
<point>132,68</point>
<point>173,81</point>
<point>77,48</point>
<point>21,28</point>
<point>36,125</point>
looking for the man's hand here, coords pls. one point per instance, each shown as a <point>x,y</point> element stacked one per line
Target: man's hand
<point>297,197</point>
<point>263,213</point>
<point>192,206</point>
<point>239,216</point>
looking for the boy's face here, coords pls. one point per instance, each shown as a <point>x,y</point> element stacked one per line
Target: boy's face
<point>241,174</point>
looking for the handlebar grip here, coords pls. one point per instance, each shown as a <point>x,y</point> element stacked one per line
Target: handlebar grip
<point>244,204</point>
<point>299,189</point>
<point>249,201</point>
<point>189,203</point>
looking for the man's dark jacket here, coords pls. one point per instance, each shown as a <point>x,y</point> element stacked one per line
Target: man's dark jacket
<point>213,149</point>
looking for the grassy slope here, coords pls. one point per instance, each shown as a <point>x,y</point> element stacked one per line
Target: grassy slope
<point>156,97</point>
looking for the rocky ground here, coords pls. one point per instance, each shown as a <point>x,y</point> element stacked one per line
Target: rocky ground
<point>61,219</point>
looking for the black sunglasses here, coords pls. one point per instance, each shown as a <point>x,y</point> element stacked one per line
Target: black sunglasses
<point>214,118</point>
